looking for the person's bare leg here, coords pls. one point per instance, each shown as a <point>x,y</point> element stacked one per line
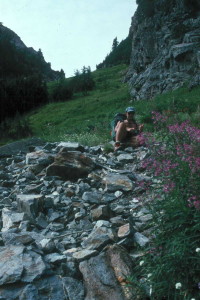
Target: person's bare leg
<point>121,132</point>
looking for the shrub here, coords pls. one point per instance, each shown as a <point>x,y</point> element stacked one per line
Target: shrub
<point>15,128</point>
<point>60,91</point>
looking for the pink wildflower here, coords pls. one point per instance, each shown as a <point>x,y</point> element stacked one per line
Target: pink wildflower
<point>168,187</point>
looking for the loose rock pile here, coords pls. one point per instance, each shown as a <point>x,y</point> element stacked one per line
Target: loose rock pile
<point>71,219</point>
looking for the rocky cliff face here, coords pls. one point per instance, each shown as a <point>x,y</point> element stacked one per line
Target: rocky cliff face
<point>165,48</point>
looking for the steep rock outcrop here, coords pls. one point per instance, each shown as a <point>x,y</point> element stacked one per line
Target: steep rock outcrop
<point>165,48</point>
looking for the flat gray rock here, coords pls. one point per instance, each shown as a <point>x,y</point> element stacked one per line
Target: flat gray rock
<point>19,146</point>
<point>115,182</point>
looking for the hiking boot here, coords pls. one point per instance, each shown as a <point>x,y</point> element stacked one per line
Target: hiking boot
<point>117,146</point>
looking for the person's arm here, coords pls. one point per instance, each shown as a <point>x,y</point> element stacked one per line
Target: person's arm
<point>117,126</point>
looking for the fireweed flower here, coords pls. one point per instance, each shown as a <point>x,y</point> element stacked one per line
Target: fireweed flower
<point>158,117</point>
<point>169,187</point>
<point>194,202</point>
<point>185,130</point>
<point>178,285</point>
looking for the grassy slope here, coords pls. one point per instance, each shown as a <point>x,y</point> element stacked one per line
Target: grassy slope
<point>86,118</point>
<point>91,113</point>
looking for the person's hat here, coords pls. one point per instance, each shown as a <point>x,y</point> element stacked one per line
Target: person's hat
<point>130,109</point>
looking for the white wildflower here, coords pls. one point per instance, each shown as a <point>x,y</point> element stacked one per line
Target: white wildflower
<point>150,291</point>
<point>141,262</point>
<point>192,299</point>
<point>149,275</point>
<point>197,250</point>
<point>178,285</point>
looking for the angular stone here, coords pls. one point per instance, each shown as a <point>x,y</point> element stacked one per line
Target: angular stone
<point>102,212</point>
<point>11,219</point>
<point>19,146</point>
<point>98,238</point>
<point>16,264</point>
<point>105,275</point>
<point>22,238</point>
<point>39,157</point>
<point>114,182</point>
<point>74,288</point>
<point>70,165</point>
<point>11,266</point>
<point>47,245</point>
<point>92,197</point>
<point>30,292</point>
<point>50,287</point>
<point>55,258</point>
<point>108,197</point>
<point>125,158</point>
<point>41,221</point>
<point>118,221</point>
<point>140,239</point>
<point>33,266</point>
<point>56,226</point>
<point>102,223</point>
<point>30,204</point>
<point>69,146</point>
<point>84,254</point>
<point>124,231</point>
<point>71,251</point>
<point>33,189</point>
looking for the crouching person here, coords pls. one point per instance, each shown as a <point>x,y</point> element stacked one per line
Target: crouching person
<point>128,131</point>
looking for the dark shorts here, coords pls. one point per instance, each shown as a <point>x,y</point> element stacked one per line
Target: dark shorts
<point>128,135</point>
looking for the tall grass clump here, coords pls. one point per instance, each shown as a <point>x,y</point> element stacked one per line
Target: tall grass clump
<point>171,264</point>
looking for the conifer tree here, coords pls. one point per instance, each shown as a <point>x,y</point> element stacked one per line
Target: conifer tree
<point>115,44</point>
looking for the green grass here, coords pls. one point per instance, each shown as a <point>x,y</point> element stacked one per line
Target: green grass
<point>86,119</point>
<point>89,115</point>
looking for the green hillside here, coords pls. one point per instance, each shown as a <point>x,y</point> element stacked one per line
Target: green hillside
<point>86,118</point>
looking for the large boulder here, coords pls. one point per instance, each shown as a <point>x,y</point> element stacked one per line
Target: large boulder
<point>23,146</point>
<point>105,275</point>
<point>70,165</point>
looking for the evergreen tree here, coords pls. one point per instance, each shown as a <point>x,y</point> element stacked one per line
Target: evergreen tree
<point>119,55</point>
<point>62,74</point>
<point>82,81</point>
<point>115,44</point>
